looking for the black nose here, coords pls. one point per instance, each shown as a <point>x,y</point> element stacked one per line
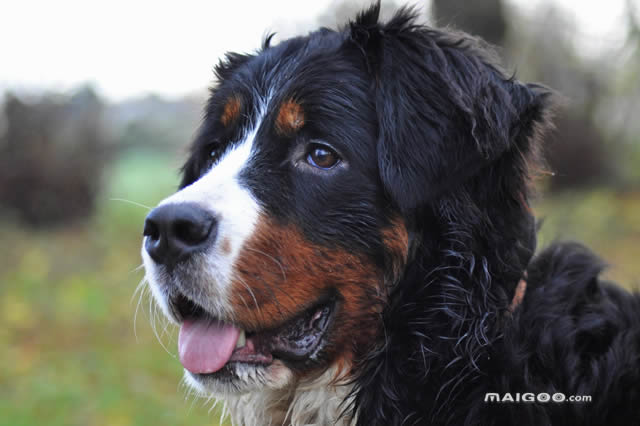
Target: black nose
<point>175,231</point>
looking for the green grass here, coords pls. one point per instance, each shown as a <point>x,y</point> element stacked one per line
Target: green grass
<point>70,355</point>
<point>607,222</point>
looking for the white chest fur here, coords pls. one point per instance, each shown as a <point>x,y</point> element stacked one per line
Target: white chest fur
<point>316,402</point>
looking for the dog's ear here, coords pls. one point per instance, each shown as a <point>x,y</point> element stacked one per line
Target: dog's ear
<point>444,110</point>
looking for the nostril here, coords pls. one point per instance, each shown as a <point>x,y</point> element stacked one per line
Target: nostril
<point>175,231</point>
<point>191,232</point>
<point>151,229</point>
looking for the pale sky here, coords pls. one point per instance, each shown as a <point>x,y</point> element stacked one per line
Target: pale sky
<point>129,48</point>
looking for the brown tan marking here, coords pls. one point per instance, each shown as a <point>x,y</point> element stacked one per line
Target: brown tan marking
<point>290,118</point>
<point>231,110</point>
<point>280,274</point>
<point>396,241</point>
<point>518,295</point>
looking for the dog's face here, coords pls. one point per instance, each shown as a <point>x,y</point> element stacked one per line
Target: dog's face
<point>297,208</point>
<point>274,253</point>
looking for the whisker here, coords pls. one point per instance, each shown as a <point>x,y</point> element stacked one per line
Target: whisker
<point>154,314</point>
<point>141,289</point>
<point>223,413</point>
<point>255,301</point>
<point>268,285</point>
<point>276,261</point>
<point>244,302</point>
<point>210,398</point>
<point>190,394</point>
<point>137,268</point>
<point>131,202</point>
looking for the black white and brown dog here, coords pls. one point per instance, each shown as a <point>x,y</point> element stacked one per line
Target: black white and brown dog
<point>352,243</point>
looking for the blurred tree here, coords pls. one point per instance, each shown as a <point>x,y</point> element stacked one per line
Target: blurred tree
<point>52,155</point>
<point>544,47</point>
<point>151,122</point>
<point>577,152</point>
<point>484,18</point>
<point>620,111</point>
<point>340,12</point>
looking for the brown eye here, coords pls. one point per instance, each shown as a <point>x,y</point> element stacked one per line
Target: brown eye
<point>322,157</point>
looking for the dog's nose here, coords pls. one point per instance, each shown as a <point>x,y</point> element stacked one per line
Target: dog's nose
<point>175,231</point>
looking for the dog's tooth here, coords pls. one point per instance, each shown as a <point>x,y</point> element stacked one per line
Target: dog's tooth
<point>242,340</point>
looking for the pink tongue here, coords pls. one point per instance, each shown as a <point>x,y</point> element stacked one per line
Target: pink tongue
<point>205,346</point>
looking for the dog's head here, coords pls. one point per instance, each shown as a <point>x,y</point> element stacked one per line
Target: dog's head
<point>303,199</point>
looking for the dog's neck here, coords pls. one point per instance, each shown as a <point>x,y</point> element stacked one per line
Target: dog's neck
<point>308,402</point>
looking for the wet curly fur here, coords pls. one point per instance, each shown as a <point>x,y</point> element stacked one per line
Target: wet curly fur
<point>458,146</point>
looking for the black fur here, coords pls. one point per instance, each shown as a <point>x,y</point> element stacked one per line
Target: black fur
<point>456,140</point>
<point>434,132</point>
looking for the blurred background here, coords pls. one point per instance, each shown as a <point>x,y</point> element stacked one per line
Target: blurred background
<point>98,102</point>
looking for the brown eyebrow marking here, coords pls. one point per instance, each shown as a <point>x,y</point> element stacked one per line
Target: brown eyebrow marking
<point>231,110</point>
<point>290,117</point>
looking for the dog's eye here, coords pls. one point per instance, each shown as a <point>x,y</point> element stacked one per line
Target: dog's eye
<point>213,154</point>
<point>322,157</point>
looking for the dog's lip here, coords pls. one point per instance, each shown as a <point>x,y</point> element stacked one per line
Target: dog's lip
<point>294,340</point>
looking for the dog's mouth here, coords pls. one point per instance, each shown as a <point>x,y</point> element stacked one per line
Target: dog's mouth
<point>206,344</point>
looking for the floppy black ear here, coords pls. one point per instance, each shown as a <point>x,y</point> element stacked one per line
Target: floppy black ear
<point>444,110</point>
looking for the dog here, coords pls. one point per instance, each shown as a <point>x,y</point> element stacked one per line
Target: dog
<point>352,243</point>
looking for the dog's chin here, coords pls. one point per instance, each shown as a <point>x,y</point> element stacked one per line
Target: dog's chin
<point>238,378</point>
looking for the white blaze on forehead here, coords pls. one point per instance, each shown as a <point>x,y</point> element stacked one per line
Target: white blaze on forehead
<point>220,192</point>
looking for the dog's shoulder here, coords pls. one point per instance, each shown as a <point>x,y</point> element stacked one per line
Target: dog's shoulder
<point>565,279</point>
<point>578,334</point>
